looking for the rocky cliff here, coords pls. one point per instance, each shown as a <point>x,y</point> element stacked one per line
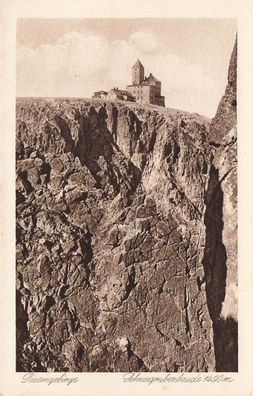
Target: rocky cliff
<point>117,224</point>
<point>220,259</point>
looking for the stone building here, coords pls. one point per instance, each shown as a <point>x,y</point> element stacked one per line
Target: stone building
<point>120,94</point>
<point>145,89</point>
<point>100,94</point>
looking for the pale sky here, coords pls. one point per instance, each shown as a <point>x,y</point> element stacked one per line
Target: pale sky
<point>63,57</point>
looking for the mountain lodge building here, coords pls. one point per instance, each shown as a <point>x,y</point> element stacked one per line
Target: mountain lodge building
<point>145,89</point>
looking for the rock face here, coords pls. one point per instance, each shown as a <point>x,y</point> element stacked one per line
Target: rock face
<point>220,259</point>
<point>114,237</point>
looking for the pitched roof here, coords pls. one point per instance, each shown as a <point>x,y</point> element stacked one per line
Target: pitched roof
<point>151,78</point>
<point>100,92</point>
<point>138,64</point>
<point>120,92</point>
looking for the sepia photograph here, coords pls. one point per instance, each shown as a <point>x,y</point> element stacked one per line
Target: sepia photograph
<point>126,195</point>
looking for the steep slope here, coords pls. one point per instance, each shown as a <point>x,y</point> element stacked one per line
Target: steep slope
<point>126,236</point>
<point>110,238</point>
<point>220,259</point>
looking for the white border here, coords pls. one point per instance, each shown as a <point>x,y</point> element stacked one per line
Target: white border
<point>112,384</point>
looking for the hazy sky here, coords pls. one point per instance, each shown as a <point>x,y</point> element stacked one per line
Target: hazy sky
<point>63,57</point>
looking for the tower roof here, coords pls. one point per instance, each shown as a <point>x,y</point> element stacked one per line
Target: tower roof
<point>151,78</point>
<point>138,64</point>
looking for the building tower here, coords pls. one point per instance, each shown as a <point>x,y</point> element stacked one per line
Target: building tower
<point>145,89</point>
<point>137,73</point>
